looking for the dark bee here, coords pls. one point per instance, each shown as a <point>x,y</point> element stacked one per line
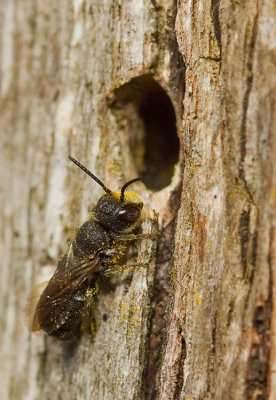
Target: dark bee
<point>98,247</point>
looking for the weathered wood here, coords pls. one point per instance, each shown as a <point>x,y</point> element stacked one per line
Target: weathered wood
<point>221,336</point>
<point>87,78</point>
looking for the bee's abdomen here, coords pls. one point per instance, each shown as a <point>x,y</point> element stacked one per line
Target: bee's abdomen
<point>67,317</point>
<point>90,239</point>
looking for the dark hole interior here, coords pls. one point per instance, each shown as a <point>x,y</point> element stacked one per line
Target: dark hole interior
<point>155,150</point>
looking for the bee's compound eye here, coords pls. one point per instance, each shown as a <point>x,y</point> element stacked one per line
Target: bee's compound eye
<point>129,214</point>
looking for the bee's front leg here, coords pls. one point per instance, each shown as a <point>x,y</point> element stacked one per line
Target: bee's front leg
<point>121,268</point>
<point>153,234</point>
<point>130,237</point>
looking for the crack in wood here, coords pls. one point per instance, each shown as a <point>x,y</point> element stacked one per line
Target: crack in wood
<point>258,364</point>
<point>161,294</point>
<point>180,374</point>
<point>215,16</point>
<point>243,128</point>
<point>254,255</point>
<point>244,237</point>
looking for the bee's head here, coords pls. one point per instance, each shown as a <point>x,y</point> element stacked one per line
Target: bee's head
<point>116,215</point>
<point>117,211</point>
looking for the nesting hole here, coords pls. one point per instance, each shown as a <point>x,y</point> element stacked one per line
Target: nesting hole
<point>148,120</point>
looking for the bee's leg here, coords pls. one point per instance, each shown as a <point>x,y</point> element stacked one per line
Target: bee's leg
<point>89,323</point>
<point>121,268</point>
<point>132,236</point>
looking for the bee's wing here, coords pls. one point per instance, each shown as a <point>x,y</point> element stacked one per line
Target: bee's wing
<point>31,304</point>
<point>59,290</point>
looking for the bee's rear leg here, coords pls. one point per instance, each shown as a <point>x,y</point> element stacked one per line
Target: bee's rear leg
<point>89,323</point>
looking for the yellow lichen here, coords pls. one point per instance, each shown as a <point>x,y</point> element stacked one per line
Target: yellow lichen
<point>273,193</point>
<point>124,309</point>
<point>198,300</point>
<point>93,327</point>
<point>132,320</point>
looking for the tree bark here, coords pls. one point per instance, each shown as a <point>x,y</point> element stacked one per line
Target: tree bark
<point>114,84</point>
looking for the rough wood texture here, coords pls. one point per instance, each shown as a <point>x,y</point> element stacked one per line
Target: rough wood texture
<point>78,78</point>
<point>221,336</point>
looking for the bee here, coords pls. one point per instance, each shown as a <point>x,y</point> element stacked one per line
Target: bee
<point>98,247</point>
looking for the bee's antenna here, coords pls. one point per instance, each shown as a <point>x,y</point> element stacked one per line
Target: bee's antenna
<point>125,186</point>
<point>90,174</point>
